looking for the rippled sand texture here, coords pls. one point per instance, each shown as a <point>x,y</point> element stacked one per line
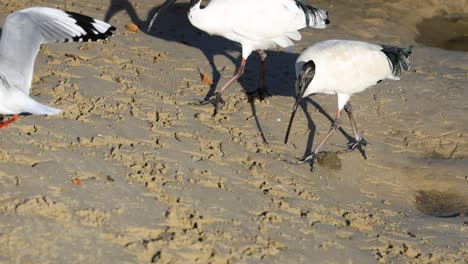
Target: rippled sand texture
<point>134,171</point>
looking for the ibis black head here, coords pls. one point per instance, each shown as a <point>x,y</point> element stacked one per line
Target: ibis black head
<point>166,5</point>
<point>303,80</point>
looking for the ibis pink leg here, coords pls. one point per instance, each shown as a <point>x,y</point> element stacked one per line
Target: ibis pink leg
<point>315,154</point>
<point>359,142</point>
<point>216,99</point>
<point>261,92</point>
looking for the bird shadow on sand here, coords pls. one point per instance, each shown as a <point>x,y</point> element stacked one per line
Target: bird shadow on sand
<point>310,141</point>
<point>173,25</point>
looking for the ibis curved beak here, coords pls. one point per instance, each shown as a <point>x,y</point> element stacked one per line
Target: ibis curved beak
<point>306,75</point>
<point>162,7</point>
<point>296,104</point>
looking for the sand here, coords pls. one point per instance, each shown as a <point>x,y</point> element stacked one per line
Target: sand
<point>134,171</point>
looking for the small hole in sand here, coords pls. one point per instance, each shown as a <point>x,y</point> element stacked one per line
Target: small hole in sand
<point>448,32</point>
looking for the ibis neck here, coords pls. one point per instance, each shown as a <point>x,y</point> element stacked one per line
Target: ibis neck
<point>199,18</point>
<point>195,5</point>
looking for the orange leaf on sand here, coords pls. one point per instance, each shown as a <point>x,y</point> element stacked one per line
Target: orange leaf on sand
<point>206,79</point>
<point>77,181</point>
<point>132,27</point>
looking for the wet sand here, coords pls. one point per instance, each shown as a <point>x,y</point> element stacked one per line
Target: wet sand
<point>163,180</point>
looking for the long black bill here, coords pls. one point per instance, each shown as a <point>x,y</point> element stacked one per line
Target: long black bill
<point>162,7</point>
<point>296,104</point>
<point>303,80</point>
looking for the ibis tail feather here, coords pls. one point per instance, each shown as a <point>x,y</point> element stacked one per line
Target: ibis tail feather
<point>398,58</point>
<point>314,17</point>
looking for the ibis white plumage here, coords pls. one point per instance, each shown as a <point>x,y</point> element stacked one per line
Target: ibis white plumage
<point>345,67</point>
<point>257,25</point>
<point>22,34</point>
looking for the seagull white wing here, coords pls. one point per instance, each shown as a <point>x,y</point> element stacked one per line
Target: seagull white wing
<point>25,30</point>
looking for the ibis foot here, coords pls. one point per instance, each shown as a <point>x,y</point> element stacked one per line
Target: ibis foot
<point>216,100</point>
<point>260,93</point>
<point>357,144</point>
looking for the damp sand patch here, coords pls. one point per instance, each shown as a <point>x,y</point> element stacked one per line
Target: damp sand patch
<point>441,204</point>
<point>448,32</point>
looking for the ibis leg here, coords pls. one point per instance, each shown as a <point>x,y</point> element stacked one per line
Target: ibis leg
<point>359,142</point>
<point>261,92</point>
<point>216,99</point>
<point>316,153</point>
<point>4,124</point>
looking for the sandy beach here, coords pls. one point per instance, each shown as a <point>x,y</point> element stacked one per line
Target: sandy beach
<point>135,171</point>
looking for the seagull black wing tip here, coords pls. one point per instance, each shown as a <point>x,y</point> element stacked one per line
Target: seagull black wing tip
<point>88,25</point>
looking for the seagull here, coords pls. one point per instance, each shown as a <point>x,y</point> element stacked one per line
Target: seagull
<point>257,25</point>
<point>22,34</point>
<point>345,67</point>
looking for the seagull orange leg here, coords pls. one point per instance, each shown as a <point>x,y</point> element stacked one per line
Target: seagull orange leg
<point>11,120</point>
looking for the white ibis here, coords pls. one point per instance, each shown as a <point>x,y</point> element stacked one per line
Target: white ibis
<point>22,34</point>
<point>345,67</point>
<point>257,25</point>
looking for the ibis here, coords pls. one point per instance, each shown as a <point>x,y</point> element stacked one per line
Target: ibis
<point>345,67</point>
<point>258,25</point>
